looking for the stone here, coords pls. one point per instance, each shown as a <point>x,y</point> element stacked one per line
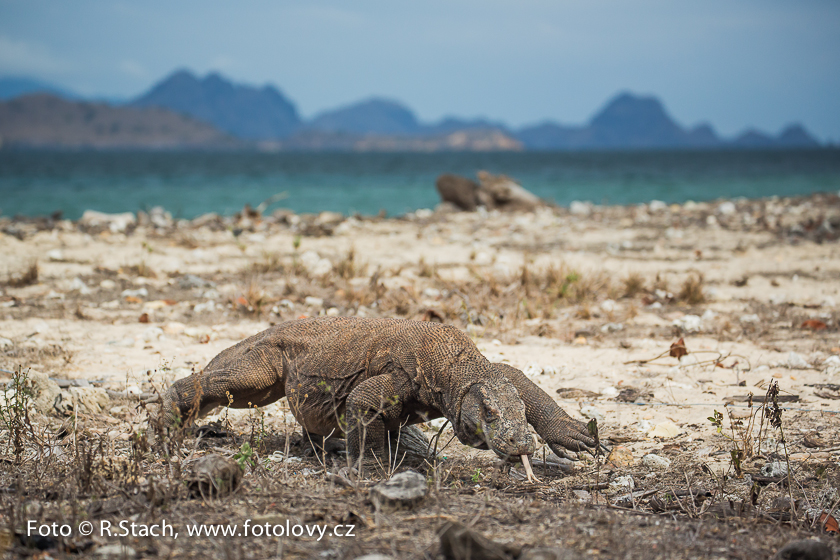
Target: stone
<point>115,551</point>
<point>726,208</point>
<point>114,222</point>
<point>189,281</point>
<point>751,318</point>
<point>591,412</point>
<point>653,461</point>
<point>44,391</point>
<point>665,430</point>
<point>808,549</point>
<point>774,469</point>
<point>620,457</point>
<point>622,484</point>
<point>5,343</point>
<point>90,400</point>
<point>403,490</point>
<point>543,553</point>
<point>689,323</point>
<point>460,543</point>
<point>214,476</point>
<point>459,191</point>
<point>580,208</point>
<point>796,361</point>
<point>313,301</point>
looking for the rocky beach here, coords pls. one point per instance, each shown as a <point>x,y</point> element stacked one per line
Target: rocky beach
<point>668,324</point>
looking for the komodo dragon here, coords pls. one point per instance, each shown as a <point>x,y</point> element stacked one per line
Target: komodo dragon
<point>367,377</point>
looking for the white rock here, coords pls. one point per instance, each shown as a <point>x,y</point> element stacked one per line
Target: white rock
<point>90,400</point>
<point>612,327</point>
<point>774,468</point>
<point>657,206</point>
<point>689,360</point>
<point>726,208</point>
<point>653,461</point>
<point>152,334</point>
<point>665,430</point>
<point>533,370</point>
<point>204,307</point>
<point>752,318</point>
<point>78,285</point>
<point>708,315</point>
<point>622,483</point>
<point>778,299</point>
<point>431,292</point>
<point>831,361</point>
<point>689,323</point>
<point>5,343</point>
<point>322,267</point>
<point>55,255</point>
<point>332,312</point>
<point>711,220</point>
<point>796,361</point>
<point>828,301</point>
<point>313,301</point>
<point>115,222</point>
<point>139,293</point>
<point>422,213</point>
<point>287,303</point>
<point>580,208</point>
<point>107,284</point>
<point>609,392</point>
<point>608,305</point>
<point>592,413</point>
<point>644,426</point>
<point>115,551</point>
<point>309,259</point>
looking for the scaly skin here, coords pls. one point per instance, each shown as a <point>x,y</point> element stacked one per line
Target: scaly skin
<point>364,378</point>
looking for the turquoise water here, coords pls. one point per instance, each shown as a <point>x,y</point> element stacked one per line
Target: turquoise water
<point>190,184</point>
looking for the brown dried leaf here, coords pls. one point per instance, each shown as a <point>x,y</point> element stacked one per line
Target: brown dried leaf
<point>814,325</point>
<point>678,349</point>
<point>144,318</point>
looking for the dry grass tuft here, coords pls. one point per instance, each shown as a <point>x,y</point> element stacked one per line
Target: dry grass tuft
<point>349,267</point>
<point>633,284</point>
<point>691,291</point>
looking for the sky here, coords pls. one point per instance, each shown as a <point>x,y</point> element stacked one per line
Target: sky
<point>732,63</point>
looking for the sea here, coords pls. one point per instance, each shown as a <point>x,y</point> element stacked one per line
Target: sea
<point>188,184</point>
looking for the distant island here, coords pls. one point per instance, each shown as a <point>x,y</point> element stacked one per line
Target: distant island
<point>184,111</point>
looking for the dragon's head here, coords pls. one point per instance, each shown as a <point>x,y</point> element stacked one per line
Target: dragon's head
<point>493,417</point>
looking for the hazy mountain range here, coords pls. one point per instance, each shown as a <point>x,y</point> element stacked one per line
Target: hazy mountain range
<point>186,111</point>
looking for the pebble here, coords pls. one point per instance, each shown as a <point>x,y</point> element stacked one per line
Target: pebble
<point>664,430</point>
<point>689,323</point>
<point>653,461</point>
<point>402,490</point>
<point>152,334</point>
<point>808,549</point>
<point>141,292</point>
<point>726,208</point>
<point>115,551</point>
<point>796,361</point>
<point>620,457</point>
<point>774,469</point>
<point>622,483</point>
<point>313,301</point>
<point>592,413</point>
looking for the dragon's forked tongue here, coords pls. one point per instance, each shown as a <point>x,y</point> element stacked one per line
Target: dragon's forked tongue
<point>527,464</point>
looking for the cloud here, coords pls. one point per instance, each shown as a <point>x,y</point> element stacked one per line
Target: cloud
<point>22,57</point>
